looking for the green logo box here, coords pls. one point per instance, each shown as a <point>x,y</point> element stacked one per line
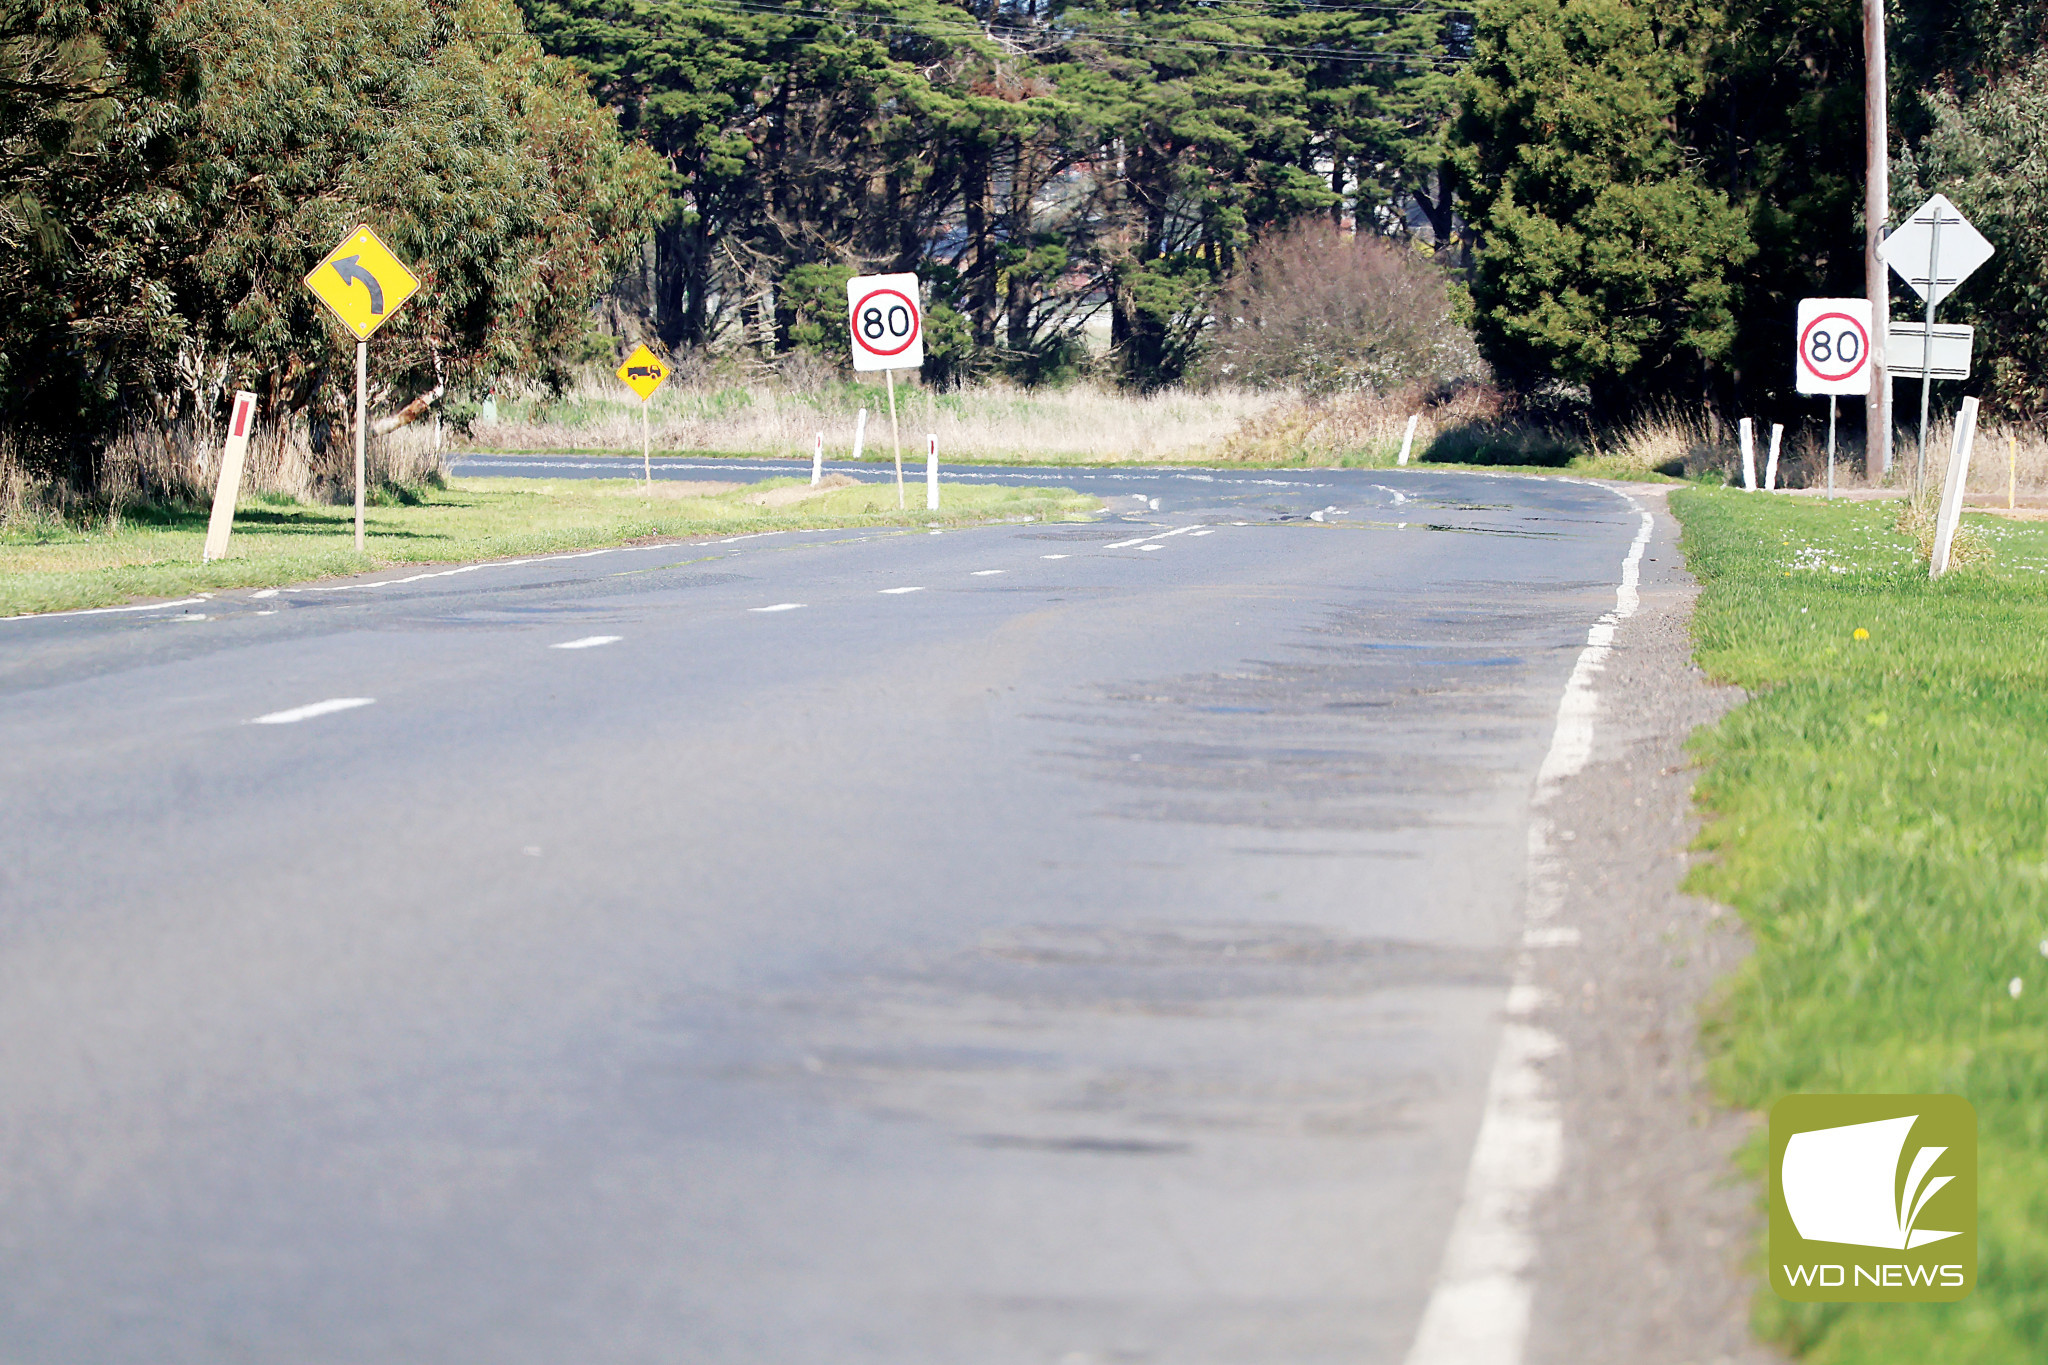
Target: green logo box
<point>1873,1198</point>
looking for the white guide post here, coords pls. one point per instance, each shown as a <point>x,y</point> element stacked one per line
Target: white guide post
<point>818,462</point>
<point>1748,435</point>
<point>860,433</point>
<point>1771,465</point>
<point>362,429</point>
<point>1952,494</point>
<point>240,420</point>
<point>931,473</point>
<point>1408,441</point>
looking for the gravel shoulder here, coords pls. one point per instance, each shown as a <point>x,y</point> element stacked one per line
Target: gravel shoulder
<point>1647,1232</point>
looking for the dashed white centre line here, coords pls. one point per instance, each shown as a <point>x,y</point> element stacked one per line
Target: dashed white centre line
<point>318,708</point>
<point>1052,556</point>
<point>780,606</point>
<point>1151,547</point>
<point>588,642</point>
<point>984,573</point>
<point>892,592</point>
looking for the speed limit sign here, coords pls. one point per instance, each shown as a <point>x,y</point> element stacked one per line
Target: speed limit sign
<point>1834,346</point>
<point>887,322</point>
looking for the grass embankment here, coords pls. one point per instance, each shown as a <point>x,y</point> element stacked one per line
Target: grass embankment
<point>1882,825</point>
<point>155,553</point>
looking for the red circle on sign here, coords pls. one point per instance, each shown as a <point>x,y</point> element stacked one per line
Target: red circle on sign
<point>1862,354</point>
<point>853,321</point>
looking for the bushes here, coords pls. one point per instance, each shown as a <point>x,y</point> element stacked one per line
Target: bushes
<point>1322,311</point>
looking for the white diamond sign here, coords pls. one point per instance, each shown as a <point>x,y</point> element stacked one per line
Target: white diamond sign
<point>1936,250</point>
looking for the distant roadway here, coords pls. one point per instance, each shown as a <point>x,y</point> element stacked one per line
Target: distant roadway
<point>1034,943</point>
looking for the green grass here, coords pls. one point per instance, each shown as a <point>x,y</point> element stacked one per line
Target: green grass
<point>49,566</point>
<point>1880,819</point>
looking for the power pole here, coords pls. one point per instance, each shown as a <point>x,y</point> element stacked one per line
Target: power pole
<point>1877,406</point>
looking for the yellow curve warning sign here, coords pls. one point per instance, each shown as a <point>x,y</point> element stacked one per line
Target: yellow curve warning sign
<point>643,372</point>
<point>362,282</point>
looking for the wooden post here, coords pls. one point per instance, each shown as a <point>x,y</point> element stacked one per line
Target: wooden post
<point>1877,406</point>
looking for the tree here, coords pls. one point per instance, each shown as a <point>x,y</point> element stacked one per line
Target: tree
<point>1325,311</point>
<point>1985,154</point>
<point>1605,257</point>
<point>246,140</point>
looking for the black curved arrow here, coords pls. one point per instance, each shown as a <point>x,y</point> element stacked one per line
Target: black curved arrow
<point>348,269</point>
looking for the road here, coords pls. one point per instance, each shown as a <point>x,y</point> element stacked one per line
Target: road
<point>1034,943</point>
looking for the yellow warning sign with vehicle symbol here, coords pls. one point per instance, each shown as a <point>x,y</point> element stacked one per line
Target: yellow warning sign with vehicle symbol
<point>362,282</point>
<point>643,372</point>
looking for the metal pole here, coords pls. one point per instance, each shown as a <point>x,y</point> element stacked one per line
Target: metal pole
<point>1877,406</point>
<point>646,468</point>
<point>1832,400</point>
<point>895,439</point>
<point>1927,350</point>
<point>362,425</point>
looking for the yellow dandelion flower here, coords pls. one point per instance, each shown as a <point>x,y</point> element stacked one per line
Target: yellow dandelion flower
<point>1861,634</point>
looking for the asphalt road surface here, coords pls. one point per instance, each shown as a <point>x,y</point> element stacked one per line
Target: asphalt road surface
<point>1034,943</point>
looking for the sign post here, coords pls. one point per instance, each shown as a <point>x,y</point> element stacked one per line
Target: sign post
<point>229,487</point>
<point>1835,357</point>
<point>1935,251</point>
<point>643,373</point>
<point>887,322</point>
<point>362,259</point>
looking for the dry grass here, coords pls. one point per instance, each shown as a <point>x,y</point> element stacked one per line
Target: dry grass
<point>2013,451</point>
<point>991,423</point>
<point>1463,425</point>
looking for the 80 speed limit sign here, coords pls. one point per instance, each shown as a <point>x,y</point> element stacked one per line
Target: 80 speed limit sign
<point>1834,346</point>
<point>887,322</point>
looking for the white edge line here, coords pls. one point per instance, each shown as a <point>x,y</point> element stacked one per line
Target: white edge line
<point>897,592</point>
<point>588,642</point>
<point>779,606</point>
<point>106,611</point>
<point>1478,1313</point>
<point>312,709</point>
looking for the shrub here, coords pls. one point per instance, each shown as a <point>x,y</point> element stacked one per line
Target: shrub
<point>1320,310</point>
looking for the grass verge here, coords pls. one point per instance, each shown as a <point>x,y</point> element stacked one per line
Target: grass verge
<point>48,566</point>
<point>1881,821</point>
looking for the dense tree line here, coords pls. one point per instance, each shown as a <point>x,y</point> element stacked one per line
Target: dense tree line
<point>1653,187</point>
<point>1628,196</point>
<point>1037,160</point>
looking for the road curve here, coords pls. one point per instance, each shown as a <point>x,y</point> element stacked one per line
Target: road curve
<point>1035,943</point>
